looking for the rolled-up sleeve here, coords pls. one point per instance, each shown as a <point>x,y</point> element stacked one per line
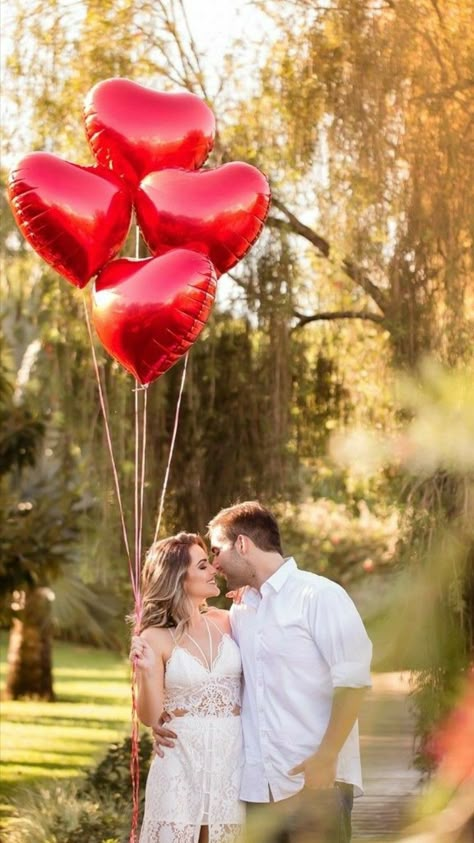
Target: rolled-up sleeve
<point>340,636</point>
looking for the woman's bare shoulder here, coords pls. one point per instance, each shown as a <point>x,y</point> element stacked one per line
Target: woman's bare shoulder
<point>220,617</point>
<point>158,637</point>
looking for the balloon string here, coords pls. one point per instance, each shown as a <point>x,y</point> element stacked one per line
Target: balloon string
<point>137,560</point>
<point>137,241</point>
<point>173,440</point>
<point>139,472</point>
<point>142,479</point>
<point>140,462</point>
<point>140,459</point>
<point>135,761</point>
<point>135,730</point>
<point>107,432</point>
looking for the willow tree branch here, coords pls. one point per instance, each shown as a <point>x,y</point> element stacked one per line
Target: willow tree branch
<point>198,71</point>
<point>293,225</point>
<point>356,274</point>
<point>329,316</point>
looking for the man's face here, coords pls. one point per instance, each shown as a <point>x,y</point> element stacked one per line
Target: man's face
<point>236,569</point>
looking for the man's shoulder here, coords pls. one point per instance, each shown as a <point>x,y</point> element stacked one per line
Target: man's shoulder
<point>236,609</point>
<point>313,583</point>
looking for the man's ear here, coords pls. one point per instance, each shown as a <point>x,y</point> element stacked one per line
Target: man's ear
<point>243,544</point>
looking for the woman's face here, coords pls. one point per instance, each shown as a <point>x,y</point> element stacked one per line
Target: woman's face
<point>200,579</point>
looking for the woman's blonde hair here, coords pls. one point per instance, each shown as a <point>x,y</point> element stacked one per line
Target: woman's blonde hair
<point>164,599</point>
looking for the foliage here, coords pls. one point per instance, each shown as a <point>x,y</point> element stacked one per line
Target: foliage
<point>97,809</point>
<point>20,433</point>
<point>41,742</point>
<point>432,452</point>
<point>260,399</point>
<point>327,537</point>
<point>377,102</point>
<point>435,693</point>
<point>112,774</point>
<point>361,114</point>
<point>40,535</point>
<point>62,814</point>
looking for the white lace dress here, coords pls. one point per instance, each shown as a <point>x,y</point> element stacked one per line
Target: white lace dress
<point>197,781</point>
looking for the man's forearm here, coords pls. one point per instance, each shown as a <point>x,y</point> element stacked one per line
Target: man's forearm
<point>345,711</point>
<point>320,769</point>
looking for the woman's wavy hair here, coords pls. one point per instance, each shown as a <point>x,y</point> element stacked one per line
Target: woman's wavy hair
<point>164,600</point>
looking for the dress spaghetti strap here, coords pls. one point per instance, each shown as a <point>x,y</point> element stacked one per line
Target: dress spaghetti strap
<point>209,620</point>
<point>208,662</point>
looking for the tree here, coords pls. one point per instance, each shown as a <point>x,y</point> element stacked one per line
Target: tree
<point>29,651</point>
<point>372,106</point>
<point>360,114</point>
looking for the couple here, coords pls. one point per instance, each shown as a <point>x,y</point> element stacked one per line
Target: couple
<point>290,731</point>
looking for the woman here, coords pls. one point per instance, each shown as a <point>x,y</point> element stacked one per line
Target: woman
<point>189,666</point>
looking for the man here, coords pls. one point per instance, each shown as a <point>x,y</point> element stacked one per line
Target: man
<point>306,662</point>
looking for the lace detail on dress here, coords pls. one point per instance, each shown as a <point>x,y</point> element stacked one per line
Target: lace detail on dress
<point>216,696</point>
<point>178,833</point>
<point>197,782</point>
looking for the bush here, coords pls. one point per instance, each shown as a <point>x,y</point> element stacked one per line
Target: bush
<point>61,814</point>
<point>97,809</point>
<point>329,539</point>
<point>111,778</point>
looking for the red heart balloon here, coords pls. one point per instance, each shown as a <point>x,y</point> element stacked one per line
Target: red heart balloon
<point>76,218</point>
<point>149,312</point>
<point>217,212</point>
<point>135,130</point>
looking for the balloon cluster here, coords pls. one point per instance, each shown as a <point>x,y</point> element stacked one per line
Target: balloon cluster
<point>196,223</point>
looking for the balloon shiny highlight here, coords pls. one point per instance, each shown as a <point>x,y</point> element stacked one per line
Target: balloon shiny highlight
<point>135,130</point>
<point>148,313</point>
<point>76,218</point>
<point>219,212</point>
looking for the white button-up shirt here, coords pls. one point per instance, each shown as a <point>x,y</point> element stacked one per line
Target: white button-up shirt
<point>300,637</point>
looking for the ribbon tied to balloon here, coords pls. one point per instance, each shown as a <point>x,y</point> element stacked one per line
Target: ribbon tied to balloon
<point>149,147</point>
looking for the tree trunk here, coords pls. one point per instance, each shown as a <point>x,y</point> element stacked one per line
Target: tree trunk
<point>30,647</point>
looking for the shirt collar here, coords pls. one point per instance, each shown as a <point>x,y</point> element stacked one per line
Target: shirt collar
<point>277,580</point>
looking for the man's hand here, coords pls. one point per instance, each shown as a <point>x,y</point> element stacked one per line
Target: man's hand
<point>237,594</point>
<point>163,736</point>
<point>319,771</point>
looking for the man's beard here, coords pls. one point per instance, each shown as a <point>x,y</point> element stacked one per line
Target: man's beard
<point>235,582</point>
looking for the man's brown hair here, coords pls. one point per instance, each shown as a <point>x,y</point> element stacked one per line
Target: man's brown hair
<point>250,519</point>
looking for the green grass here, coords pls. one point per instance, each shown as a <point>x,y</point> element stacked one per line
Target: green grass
<point>41,741</point>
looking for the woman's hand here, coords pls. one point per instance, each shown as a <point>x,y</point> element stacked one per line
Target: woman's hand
<point>141,654</point>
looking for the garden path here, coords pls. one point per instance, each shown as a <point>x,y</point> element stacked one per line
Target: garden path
<point>390,780</point>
